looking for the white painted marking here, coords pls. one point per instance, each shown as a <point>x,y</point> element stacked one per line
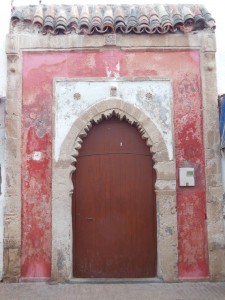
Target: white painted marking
<point>118,66</point>
<point>36,155</point>
<point>108,72</point>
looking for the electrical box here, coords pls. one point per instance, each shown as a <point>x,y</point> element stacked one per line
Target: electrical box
<point>186,177</point>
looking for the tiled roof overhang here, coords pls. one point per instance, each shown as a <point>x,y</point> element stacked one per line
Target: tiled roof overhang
<point>100,19</point>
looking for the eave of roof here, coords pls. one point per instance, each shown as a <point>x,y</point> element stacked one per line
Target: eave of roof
<point>100,19</point>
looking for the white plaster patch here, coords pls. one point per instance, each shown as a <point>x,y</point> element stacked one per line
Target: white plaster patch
<point>151,96</point>
<point>36,155</point>
<point>108,72</point>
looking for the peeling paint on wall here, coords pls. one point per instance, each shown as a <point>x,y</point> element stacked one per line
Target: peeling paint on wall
<point>40,69</point>
<point>191,200</point>
<point>152,96</point>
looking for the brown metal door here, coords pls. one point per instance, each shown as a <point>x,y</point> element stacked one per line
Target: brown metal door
<point>114,223</point>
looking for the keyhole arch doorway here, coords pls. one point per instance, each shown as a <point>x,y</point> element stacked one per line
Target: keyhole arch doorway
<point>62,187</point>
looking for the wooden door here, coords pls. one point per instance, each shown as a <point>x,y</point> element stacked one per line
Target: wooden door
<point>114,217</point>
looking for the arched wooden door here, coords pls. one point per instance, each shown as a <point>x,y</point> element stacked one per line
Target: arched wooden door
<point>114,215</point>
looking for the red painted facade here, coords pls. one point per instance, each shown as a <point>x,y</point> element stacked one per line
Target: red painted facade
<point>39,70</point>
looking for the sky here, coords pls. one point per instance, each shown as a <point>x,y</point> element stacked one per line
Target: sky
<point>215,7</point>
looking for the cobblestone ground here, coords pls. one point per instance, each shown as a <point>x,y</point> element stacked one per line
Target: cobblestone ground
<point>113,291</point>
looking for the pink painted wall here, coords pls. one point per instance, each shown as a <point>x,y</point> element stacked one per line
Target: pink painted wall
<point>39,70</point>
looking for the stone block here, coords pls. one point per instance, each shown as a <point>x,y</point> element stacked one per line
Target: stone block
<point>12,127</point>
<point>14,262</point>
<point>13,108</point>
<point>12,44</point>
<point>64,163</point>
<point>213,166</point>
<point>153,132</point>
<point>12,178</point>
<point>167,235</point>
<point>165,185</point>
<point>157,147</point>
<point>209,43</point>
<point>129,109</point>
<point>161,156</point>
<point>215,194</point>
<point>168,261</point>
<point>12,226</point>
<point>210,154</point>
<point>12,243</point>
<point>90,113</point>
<point>165,170</point>
<point>79,124</point>
<point>13,146</point>
<point>61,261</point>
<point>217,264</point>
<point>214,180</point>
<point>166,204</point>
<point>13,82</point>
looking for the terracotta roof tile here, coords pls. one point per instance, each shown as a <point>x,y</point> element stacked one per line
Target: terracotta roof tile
<point>91,19</point>
<point>38,16</point>
<point>199,20</point>
<point>50,20</point>
<point>177,17</point>
<point>154,21</point>
<point>84,22</point>
<point>96,20</point>
<point>61,22</point>
<point>73,19</point>
<point>119,20</point>
<point>108,20</point>
<point>27,15</point>
<point>143,19</point>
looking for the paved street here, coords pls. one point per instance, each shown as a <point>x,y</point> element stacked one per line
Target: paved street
<point>113,291</point>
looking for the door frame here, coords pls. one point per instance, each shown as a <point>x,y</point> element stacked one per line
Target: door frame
<point>165,187</point>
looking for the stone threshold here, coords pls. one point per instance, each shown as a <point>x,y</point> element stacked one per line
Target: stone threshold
<point>113,280</point>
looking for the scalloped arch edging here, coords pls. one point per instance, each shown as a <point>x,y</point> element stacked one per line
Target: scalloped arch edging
<point>123,110</point>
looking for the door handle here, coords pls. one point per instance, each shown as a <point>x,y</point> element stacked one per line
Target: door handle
<point>90,219</point>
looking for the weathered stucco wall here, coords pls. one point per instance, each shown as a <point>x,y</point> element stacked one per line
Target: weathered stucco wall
<point>2,177</point>
<point>37,106</point>
<point>191,203</point>
<point>189,70</point>
<point>74,97</point>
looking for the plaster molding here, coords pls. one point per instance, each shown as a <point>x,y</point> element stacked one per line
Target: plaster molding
<point>36,42</point>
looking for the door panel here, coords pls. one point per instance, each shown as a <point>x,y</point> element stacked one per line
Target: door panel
<point>114,230</point>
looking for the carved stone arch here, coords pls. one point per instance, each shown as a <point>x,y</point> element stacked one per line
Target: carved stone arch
<point>149,131</point>
<point>62,186</point>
